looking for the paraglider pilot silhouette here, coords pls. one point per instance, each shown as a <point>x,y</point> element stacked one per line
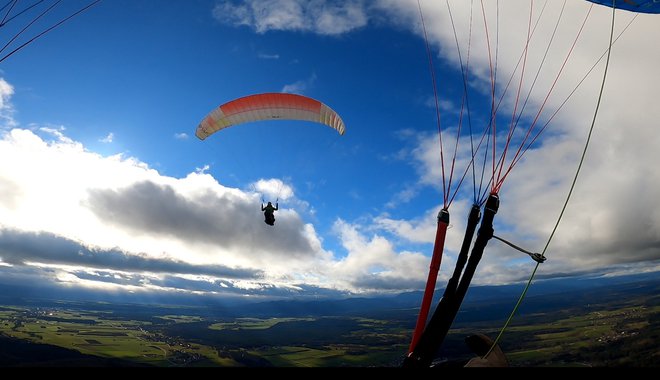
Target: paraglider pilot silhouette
<point>269,213</point>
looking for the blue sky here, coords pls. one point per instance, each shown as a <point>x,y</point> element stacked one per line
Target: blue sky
<point>104,185</point>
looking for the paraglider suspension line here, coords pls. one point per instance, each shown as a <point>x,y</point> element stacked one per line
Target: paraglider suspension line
<point>49,29</point>
<point>570,191</point>
<point>539,258</point>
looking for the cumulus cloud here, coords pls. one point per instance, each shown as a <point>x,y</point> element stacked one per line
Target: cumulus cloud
<point>273,188</point>
<point>115,220</point>
<point>607,223</point>
<point>373,263</point>
<point>127,195</point>
<point>82,214</point>
<point>618,178</point>
<point>20,248</point>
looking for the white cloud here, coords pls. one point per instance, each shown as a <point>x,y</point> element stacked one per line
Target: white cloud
<point>181,136</point>
<point>317,16</point>
<point>65,207</point>
<point>373,263</point>
<point>297,87</point>
<point>406,195</point>
<point>301,86</point>
<point>6,108</point>
<point>608,223</point>
<point>273,188</point>
<point>108,139</point>
<point>268,56</point>
<point>608,220</point>
<point>117,204</point>
<point>421,230</point>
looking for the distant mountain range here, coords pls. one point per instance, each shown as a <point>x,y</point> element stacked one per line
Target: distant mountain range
<point>619,310</point>
<point>481,301</point>
<point>500,299</point>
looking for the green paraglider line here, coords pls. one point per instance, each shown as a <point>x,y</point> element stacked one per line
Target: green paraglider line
<point>424,346</point>
<point>570,191</point>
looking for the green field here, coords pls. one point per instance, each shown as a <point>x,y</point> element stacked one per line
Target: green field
<point>600,335</point>
<point>253,323</point>
<point>94,335</point>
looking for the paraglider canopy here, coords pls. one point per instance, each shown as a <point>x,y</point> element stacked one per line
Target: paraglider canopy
<point>268,106</point>
<point>643,6</point>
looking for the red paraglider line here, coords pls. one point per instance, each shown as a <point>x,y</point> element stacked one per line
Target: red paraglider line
<point>441,230</point>
<point>437,105</point>
<point>574,90</point>
<point>465,102</point>
<point>520,150</point>
<point>465,108</point>
<point>417,353</point>
<point>493,111</point>
<point>512,126</point>
<point>482,195</point>
<point>540,67</point>
<point>443,216</point>
<point>575,178</point>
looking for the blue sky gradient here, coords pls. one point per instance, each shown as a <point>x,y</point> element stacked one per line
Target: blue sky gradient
<point>104,186</point>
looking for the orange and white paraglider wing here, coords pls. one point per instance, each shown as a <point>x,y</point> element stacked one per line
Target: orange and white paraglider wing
<point>268,106</point>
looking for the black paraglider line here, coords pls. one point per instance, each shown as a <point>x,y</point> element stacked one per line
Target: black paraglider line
<point>6,20</point>
<point>44,31</point>
<point>12,2</point>
<point>24,28</point>
<point>539,258</point>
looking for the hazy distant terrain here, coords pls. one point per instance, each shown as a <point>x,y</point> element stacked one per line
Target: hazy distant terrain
<point>602,323</point>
